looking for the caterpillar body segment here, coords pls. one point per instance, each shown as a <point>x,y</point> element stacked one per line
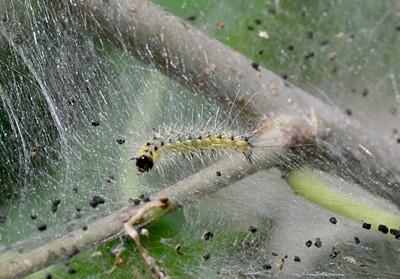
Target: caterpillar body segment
<point>151,153</point>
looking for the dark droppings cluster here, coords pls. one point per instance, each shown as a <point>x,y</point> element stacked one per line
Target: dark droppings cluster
<point>208,236</point>
<point>383,229</point>
<point>120,140</point>
<point>97,200</point>
<point>54,205</point>
<point>333,220</point>
<point>42,227</point>
<point>366,226</point>
<point>267,266</point>
<point>110,179</point>
<point>252,229</point>
<point>256,66</point>
<point>206,256</point>
<point>334,253</point>
<point>134,201</point>
<point>34,215</point>
<point>95,123</point>
<point>318,242</point>
<point>395,232</point>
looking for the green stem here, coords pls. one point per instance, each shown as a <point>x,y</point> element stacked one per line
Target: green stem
<point>314,190</point>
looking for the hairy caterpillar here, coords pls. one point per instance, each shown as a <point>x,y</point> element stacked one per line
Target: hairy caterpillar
<point>277,133</point>
<point>152,151</point>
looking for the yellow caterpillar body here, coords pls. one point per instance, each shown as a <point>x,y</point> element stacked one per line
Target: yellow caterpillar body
<point>151,152</point>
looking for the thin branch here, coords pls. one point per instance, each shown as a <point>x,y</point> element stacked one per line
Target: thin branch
<point>137,218</point>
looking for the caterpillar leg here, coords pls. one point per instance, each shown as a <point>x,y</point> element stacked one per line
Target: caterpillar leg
<point>249,156</point>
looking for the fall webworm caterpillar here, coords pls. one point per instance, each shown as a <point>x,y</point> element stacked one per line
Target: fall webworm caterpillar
<point>197,142</point>
<point>169,141</point>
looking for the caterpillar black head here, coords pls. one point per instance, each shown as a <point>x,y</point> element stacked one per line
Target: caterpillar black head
<point>144,163</point>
